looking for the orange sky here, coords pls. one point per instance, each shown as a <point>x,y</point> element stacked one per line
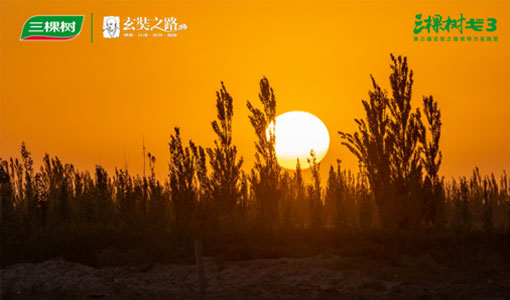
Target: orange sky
<point>92,103</point>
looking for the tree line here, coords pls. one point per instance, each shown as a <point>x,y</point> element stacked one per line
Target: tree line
<point>208,195</point>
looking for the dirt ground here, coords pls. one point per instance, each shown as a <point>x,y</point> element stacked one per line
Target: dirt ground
<point>319,277</point>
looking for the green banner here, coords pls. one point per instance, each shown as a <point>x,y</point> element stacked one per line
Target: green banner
<point>44,28</point>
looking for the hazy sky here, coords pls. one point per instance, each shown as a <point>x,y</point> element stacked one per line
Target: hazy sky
<point>92,103</point>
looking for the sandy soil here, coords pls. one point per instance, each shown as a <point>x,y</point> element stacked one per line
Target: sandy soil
<point>320,277</point>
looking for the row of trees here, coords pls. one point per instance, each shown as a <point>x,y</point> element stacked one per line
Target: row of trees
<point>208,194</point>
<point>394,146</point>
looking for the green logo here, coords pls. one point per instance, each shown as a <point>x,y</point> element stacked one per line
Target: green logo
<point>445,29</point>
<point>51,28</point>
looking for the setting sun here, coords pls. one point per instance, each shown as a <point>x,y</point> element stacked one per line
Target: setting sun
<point>297,133</point>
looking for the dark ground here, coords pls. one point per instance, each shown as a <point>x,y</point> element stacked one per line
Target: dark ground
<point>317,277</point>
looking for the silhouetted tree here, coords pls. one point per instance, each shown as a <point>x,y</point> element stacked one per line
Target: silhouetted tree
<point>266,173</point>
<point>9,221</point>
<point>124,195</point>
<point>363,202</point>
<point>373,146</point>
<point>158,204</point>
<point>181,181</point>
<point>389,144</point>
<point>29,190</point>
<point>334,198</point>
<point>314,193</point>
<point>226,173</point>
<point>465,214</point>
<point>103,195</point>
<point>287,201</point>
<point>505,195</point>
<point>431,160</point>
<point>58,189</point>
<point>301,209</point>
<point>405,128</point>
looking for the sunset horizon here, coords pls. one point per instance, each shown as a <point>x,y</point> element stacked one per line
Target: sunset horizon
<point>114,94</point>
<point>261,149</point>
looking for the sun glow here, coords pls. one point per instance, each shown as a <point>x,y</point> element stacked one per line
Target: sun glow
<point>297,133</point>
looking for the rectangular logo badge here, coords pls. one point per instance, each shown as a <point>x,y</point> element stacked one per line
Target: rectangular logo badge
<point>51,28</point>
